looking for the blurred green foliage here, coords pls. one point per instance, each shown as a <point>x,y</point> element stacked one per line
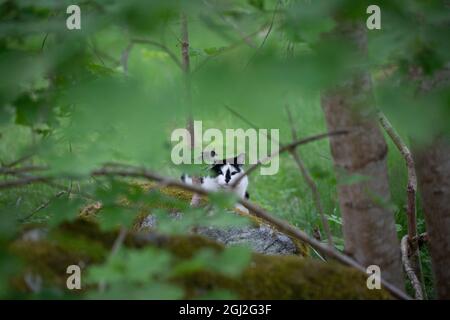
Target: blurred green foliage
<point>66,98</point>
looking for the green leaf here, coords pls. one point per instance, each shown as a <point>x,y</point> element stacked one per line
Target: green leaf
<point>61,209</point>
<point>137,266</point>
<point>230,262</point>
<point>258,4</point>
<point>212,51</point>
<point>223,199</point>
<point>112,217</point>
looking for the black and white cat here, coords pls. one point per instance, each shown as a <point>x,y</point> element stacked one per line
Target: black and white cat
<point>222,175</point>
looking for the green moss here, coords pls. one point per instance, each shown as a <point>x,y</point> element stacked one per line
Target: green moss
<point>267,277</point>
<point>288,277</point>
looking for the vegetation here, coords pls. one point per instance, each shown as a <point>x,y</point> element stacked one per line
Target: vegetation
<point>86,114</point>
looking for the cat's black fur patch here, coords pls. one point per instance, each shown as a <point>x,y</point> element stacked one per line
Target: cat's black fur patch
<point>216,168</point>
<point>247,195</point>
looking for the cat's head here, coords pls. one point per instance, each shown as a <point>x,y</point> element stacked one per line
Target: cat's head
<point>226,171</point>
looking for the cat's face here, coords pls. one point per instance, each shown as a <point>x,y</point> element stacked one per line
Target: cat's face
<point>226,174</point>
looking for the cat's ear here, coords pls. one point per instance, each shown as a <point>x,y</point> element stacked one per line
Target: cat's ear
<point>240,159</point>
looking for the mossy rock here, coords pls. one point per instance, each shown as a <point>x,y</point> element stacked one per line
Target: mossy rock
<point>93,210</point>
<point>267,277</point>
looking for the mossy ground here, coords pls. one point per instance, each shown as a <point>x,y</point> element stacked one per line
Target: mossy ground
<point>267,277</point>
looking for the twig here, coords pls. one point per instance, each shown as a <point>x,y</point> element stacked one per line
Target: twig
<point>226,49</point>
<point>43,41</point>
<point>119,241</point>
<point>17,171</point>
<point>103,55</point>
<point>267,33</point>
<point>410,270</point>
<point>23,181</point>
<point>96,53</point>
<point>247,121</point>
<point>411,190</point>
<point>159,45</point>
<point>245,38</point>
<point>310,181</point>
<point>18,161</point>
<point>412,178</point>
<point>124,57</point>
<point>185,44</point>
<point>43,206</point>
<point>186,67</point>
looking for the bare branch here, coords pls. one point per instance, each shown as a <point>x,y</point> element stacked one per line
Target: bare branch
<point>411,190</point>
<point>119,241</point>
<point>23,182</point>
<point>43,205</point>
<point>159,45</point>
<point>267,33</point>
<point>18,171</point>
<point>186,67</point>
<point>412,178</point>
<point>410,270</point>
<point>103,55</point>
<point>124,57</point>
<point>288,147</point>
<point>185,44</point>
<point>18,161</point>
<point>226,49</point>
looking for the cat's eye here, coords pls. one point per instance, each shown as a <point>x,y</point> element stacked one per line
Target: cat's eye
<point>234,173</point>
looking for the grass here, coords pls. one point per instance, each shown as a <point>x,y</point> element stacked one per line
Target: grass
<point>286,194</point>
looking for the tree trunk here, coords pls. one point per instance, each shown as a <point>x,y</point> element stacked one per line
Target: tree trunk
<point>368,225</point>
<point>433,169</point>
